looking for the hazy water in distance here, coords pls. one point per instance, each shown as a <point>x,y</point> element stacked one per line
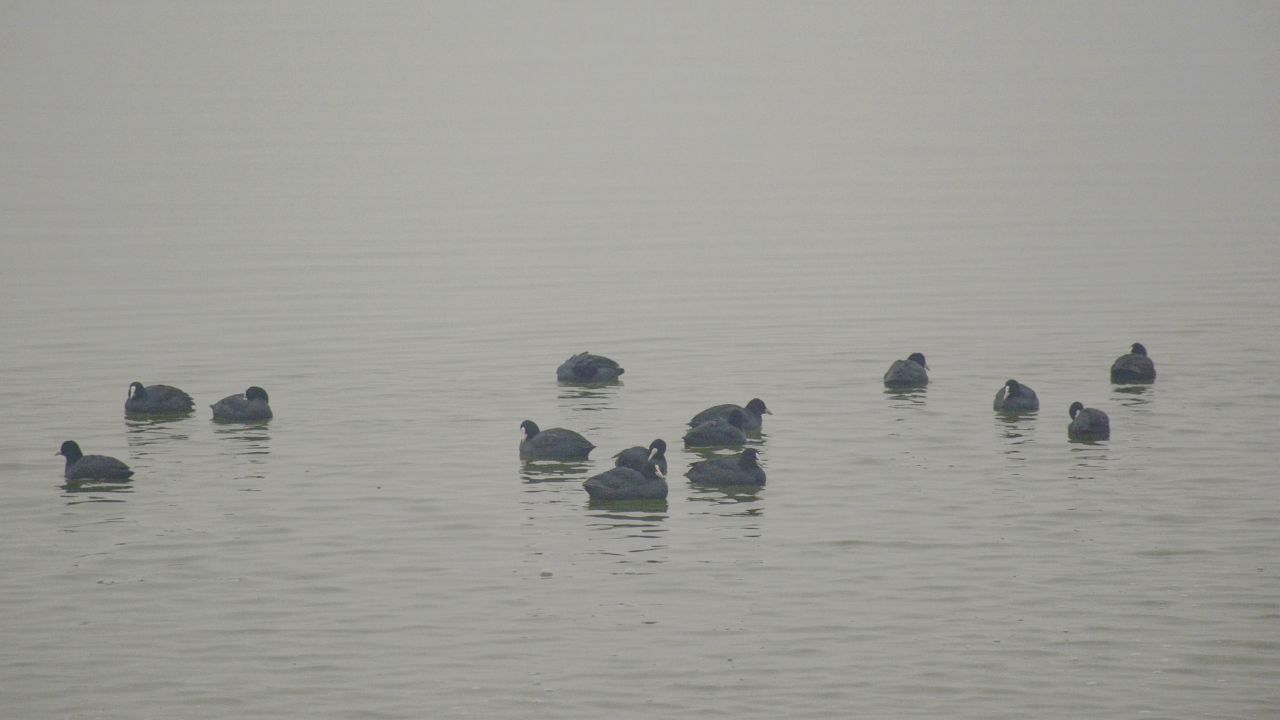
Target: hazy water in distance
<point>399,220</point>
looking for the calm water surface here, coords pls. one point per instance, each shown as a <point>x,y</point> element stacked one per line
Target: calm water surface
<point>399,221</point>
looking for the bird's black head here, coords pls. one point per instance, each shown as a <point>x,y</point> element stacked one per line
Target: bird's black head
<point>1075,409</point>
<point>657,449</point>
<point>918,358</point>
<point>1138,349</point>
<point>757,406</point>
<point>749,457</point>
<point>136,390</point>
<point>256,393</point>
<point>71,450</point>
<point>1014,388</point>
<point>530,428</point>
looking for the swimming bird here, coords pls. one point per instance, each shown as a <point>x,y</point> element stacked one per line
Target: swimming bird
<point>719,431</point>
<point>252,406</point>
<point>1016,397</point>
<point>91,467</point>
<point>1088,423</point>
<point>552,443</point>
<point>585,368</point>
<point>741,470</point>
<point>754,413</point>
<point>636,457</point>
<point>156,400</point>
<point>625,483</point>
<point>908,373</point>
<point>1135,367</point>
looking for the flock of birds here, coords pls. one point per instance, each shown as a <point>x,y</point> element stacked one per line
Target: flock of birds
<point>639,473</point>
<point>252,406</point>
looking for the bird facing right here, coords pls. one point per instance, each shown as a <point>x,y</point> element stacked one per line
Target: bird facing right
<point>912,372</point>
<point>624,483</point>
<point>1134,367</point>
<point>252,406</point>
<point>741,470</point>
<point>753,413</point>
<point>637,457</point>
<point>587,369</point>
<point>719,431</point>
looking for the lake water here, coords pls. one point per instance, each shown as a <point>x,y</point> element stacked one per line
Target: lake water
<point>399,220</point>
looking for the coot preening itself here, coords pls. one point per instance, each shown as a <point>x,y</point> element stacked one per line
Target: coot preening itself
<point>911,372</point>
<point>754,413</point>
<point>637,457</point>
<point>624,483</point>
<point>1088,423</point>
<point>552,443</point>
<point>1135,367</point>
<point>585,368</point>
<point>1016,397</point>
<point>252,406</point>
<point>156,400</point>
<point>741,470</point>
<point>91,467</point>
<point>719,431</point>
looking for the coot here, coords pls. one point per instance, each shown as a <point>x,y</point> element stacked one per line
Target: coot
<point>552,443</point>
<point>252,406</point>
<point>754,413</point>
<point>911,372</point>
<point>1135,367</point>
<point>91,467</point>
<point>624,483</point>
<point>156,400</point>
<point>741,470</point>
<point>719,431</point>
<point>637,457</point>
<point>585,368</point>
<point>1016,397</point>
<point>1088,423</point>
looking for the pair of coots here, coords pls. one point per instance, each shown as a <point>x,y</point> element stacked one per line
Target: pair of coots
<point>726,425</point>
<point>1131,368</point>
<point>638,472</point>
<point>648,482</point>
<point>250,406</point>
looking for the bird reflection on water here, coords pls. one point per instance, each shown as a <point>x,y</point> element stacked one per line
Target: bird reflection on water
<point>588,398</point>
<point>553,471</point>
<point>96,491</point>
<point>1017,430</point>
<point>1134,396</point>
<point>250,442</point>
<point>630,530</point>
<point>906,398</point>
<point>141,433</point>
